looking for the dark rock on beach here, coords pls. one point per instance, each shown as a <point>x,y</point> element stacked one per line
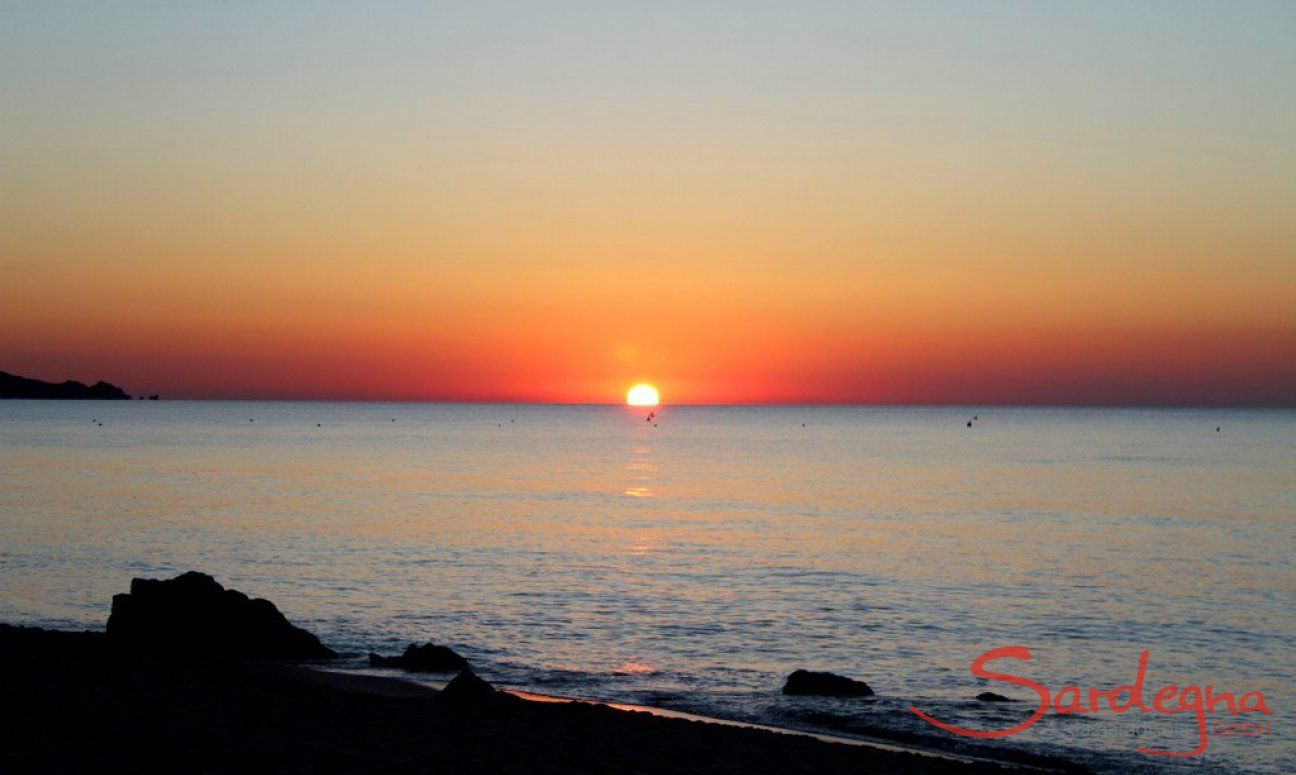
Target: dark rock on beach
<point>992,697</point>
<point>193,614</point>
<point>14,386</point>
<point>428,658</point>
<point>807,682</point>
<point>468,688</point>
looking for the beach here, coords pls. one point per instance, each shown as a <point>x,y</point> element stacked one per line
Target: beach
<point>74,701</point>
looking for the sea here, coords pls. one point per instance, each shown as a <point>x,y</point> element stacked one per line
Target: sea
<point>692,558</point>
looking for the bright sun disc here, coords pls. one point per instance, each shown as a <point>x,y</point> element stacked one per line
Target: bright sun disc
<point>642,395</point>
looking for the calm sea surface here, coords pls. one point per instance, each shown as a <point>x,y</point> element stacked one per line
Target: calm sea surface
<point>693,563</point>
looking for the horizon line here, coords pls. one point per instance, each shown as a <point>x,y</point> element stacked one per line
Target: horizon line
<point>737,404</point>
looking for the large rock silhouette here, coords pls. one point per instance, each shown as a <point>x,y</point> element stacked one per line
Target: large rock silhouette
<point>193,614</point>
<point>806,682</point>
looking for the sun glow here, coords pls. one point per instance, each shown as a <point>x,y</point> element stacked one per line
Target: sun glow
<point>642,395</point>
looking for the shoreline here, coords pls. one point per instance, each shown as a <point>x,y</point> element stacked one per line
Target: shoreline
<point>78,701</point>
<point>397,686</point>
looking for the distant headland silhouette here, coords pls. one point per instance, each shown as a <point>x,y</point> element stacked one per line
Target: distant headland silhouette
<point>13,386</point>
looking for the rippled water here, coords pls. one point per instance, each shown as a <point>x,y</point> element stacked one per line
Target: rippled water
<point>694,562</point>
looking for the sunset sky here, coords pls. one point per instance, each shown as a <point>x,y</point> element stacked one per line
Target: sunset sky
<point>980,203</point>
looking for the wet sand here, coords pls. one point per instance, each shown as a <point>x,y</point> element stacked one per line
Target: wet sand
<point>75,702</point>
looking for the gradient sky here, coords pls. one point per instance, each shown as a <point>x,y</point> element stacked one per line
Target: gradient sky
<point>843,202</point>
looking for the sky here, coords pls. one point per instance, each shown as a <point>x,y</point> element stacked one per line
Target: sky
<point>845,202</point>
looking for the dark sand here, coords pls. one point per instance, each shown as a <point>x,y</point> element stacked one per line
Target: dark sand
<point>74,702</point>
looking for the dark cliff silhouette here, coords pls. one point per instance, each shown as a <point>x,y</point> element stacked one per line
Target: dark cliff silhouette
<point>14,386</point>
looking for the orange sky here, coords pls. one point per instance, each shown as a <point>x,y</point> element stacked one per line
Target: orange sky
<point>784,206</point>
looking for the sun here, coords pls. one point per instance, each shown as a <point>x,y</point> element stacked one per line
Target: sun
<point>642,395</point>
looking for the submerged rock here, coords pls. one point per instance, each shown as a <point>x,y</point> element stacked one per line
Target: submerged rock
<point>468,688</point>
<point>192,613</point>
<point>428,658</point>
<point>806,682</point>
<point>992,697</point>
